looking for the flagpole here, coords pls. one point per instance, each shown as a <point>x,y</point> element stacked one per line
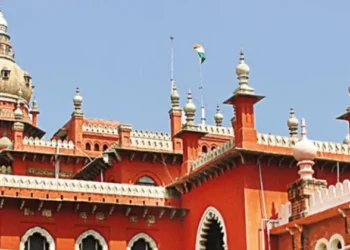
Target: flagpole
<point>201,92</point>
<point>172,62</point>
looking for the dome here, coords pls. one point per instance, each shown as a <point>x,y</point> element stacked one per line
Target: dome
<point>16,80</point>
<point>242,68</point>
<point>292,121</point>
<point>5,142</point>
<point>218,116</point>
<point>189,106</point>
<point>3,21</point>
<point>78,99</point>
<point>304,150</point>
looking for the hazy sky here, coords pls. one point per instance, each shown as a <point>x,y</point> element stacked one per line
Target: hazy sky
<point>118,53</point>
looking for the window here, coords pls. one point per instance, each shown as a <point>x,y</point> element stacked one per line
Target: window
<point>204,149</point>
<point>141,244</point>
<point>105,147</point>
<point>97,147</point>
<point>87,146</point>
<point>5,73</point>
<point>146,181</point>
<point>213,147</point>
<point>90,243</point>
<point>36,242</point>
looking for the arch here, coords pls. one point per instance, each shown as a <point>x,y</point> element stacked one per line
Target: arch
<point>153,176</point>
<point>334,242</point>
<point>144,236</point>
<point>204,149</point>
<point>105,147</point>
<point>88,146</point>
<point>210,213</point>
<point>93,233</point>
<point>97,147</point>
<point>321,244</point>
<point>212,147</point>
<point>40,231</point>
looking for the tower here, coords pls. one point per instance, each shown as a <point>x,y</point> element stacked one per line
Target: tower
<point>175,114</point>
<point>243,101</point>
<point>76,124</point>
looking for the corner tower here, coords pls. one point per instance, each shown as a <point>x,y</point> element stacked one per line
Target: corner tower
<point>243,100</point>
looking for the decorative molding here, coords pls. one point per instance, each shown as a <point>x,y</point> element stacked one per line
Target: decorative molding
<point>321,244</point>
<point>48,172</point>
<point>332,196</point>
<point>79,186</point>
<point>218,151</point>
<point>144,236</point>
<point>112,130</point>
<point>153,140</point>
<point>215,130</point>
<point>334,240</point>
<point>289,142</point>
<point>50,143</point>
<point>209,214</point>
<point>41,231</point>
<point>94,234</point>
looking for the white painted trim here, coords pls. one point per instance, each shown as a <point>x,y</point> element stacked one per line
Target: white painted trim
<point>41,231</point>
<point>94,234</point>
<point>335,239</point>
<point>144,236</point>
<point>211,212</point>
<point>320,242</point>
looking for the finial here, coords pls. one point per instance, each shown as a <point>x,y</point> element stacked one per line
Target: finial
<point>174,97</point>
<point>218,117</point>
<point>190,109</point>
<point>77,101</point>
<point>303,129</point>
<point>293,123</point>
<point>242,72</point>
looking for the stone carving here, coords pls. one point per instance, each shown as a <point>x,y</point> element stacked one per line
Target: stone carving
<point>151,220</point>
<point>51,143</point>
<point>100,216</point>
<point>134,219</point>
<point>79,186</point>
<point>83,215</point>
<point>213,154</point>
<point>215,130</point>
<point>48,172</point>
<point>46,213</point>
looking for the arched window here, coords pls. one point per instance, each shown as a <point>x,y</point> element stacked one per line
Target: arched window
<point>37,242</point>
<point>142,241</point>
<point>336,242</point>
<point>204,149</point>
<point>90,240</point>
<point>97,147</point>
<point>146,181</point>
<point>105,147</point>
<point>213,147</point>
<point>88,146</point>
<point>37,238</point>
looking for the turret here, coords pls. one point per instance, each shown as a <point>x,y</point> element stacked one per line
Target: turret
<point>76,124</point>
<point>175,114</point>
<point>34,112</point>
<point>292,124</point>
<point>218,117</point>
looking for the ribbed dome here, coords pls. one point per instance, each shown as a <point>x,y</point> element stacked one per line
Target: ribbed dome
<point>304,150</point>
<point>5,142</point>
<point>11,85</point>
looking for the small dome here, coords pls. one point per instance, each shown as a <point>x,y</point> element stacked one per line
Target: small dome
<point>242,68</point>
<point>18,113</point>
<point>304,150</point>
<point>218,117</point>
<point>5,142</point>
<point>292,121</point>
<point>78,99</point>
<point>189,106</point>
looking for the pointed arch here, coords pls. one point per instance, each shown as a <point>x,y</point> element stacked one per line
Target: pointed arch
<point>210,214</point>
<point>336,241</point>
<point>321,244</point>
<point>40,231</point>
<point>94,234</point>
<point>144,236</point>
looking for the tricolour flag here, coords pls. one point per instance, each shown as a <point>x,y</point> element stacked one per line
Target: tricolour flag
<point>200,51</point>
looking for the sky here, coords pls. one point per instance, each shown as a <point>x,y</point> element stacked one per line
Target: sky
<point>118,53</point>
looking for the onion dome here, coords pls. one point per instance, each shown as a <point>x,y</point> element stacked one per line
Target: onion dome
<point>218,117</point>
<point>5,142</point>
<point>293,123</point>
<point>304,150</point>
<point>77,101</point>
<point>34,108</point>
<point>189,108</point>
<point>242,68</point>
<point>242,72</point>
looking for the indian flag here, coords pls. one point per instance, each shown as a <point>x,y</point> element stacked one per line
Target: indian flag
<point>200,51</point>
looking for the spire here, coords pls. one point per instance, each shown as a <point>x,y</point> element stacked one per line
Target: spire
<point>242,72</point>
<point>35,108</point>
<point>77,101</point>
<point>174,97</point>
<point>218,117</point>
<point>293,123</point>
<point>18,112</point>
<point>6,50</point>
<point>190,109</point>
